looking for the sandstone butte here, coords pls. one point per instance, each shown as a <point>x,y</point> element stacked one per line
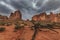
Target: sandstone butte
<point>13,16</point>
<point>26,33</point>
<point>48,18</point>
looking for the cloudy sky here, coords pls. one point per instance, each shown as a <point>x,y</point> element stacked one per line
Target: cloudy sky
<point>29,7</point>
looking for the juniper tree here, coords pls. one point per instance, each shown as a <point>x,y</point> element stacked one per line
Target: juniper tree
<point>37,27</point>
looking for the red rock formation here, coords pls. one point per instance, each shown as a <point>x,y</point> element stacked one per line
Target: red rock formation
<point>40,17</point>
<point>3,18</point>
<point>48,18</point>
<point>58,17</point>
<point>52,17</point>
<point>35,18</point>
<point>16,15</point>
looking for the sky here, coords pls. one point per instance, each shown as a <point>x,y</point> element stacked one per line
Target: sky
<point>29,8</point>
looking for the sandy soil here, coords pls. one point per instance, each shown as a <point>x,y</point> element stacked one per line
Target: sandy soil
<point>26,34</point>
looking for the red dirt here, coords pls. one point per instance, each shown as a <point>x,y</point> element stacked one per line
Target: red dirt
<point>26,34</point>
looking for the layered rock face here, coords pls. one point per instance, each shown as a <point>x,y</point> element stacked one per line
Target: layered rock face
<point>3,18</point>
<point>40,17</point>
<point>48,18</point>
<point>52,17</point>
<point>15,16</point>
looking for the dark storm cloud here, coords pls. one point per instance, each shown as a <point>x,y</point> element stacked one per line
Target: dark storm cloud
<point>4,9</point>
<point>50,5</point>
<point>29,7</point>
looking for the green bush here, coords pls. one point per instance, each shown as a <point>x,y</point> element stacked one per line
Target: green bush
<point>17,27</point>
<point>2,23</point>
<point>2,29</point>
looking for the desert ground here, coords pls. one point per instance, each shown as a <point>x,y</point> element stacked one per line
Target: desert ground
<point>26,34</point>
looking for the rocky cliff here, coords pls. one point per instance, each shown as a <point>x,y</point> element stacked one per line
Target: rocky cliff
<point>13,16</point>
<point>52,17</point>
<point>16,15</point>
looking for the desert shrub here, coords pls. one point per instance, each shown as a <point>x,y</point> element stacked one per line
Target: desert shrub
<point>2,29</point>
<point>2,23</point>
<point>18,27</point>
<point>57,25</point>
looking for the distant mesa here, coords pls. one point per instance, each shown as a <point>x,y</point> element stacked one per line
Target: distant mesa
<point>47,18</point>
